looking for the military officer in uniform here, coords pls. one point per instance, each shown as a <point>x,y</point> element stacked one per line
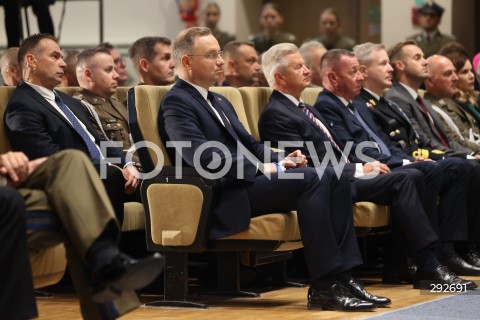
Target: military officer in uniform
<point>98,81</point>
<point>430,40</point>
<point>330,27</point>
<point>271,19</point>
<point>211,17</point>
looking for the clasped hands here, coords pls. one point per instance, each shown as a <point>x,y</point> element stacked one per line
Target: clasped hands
<point>294,160</point>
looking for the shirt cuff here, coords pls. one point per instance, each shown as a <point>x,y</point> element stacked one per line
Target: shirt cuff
<point>358,171</point>
<point>405,162</point>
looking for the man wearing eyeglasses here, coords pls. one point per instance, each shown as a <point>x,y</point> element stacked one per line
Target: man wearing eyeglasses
<point>253,186</point>
<point>120,63</point>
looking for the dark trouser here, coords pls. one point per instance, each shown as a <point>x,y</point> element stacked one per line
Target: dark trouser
<point>446,183</point>
<point>17,299</point>
<point>325,216</point>
<point>474,203</point>
<point>402,190</point>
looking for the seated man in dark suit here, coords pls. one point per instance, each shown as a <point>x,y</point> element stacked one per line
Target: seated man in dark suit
<point>352,122</point>
<point>41,121</point>
<point>287,118</point>
<point>410,121</point>
<point>254,185</point>
<point>103,277</point>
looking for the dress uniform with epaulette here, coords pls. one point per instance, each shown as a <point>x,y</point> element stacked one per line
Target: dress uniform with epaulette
<point>397,126</point>
<point>432,41</point>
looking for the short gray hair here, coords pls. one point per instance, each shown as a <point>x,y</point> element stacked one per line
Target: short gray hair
<point>185,41</point>
<point>306,51</point>
<point>274,60</point>
<point>363,52</point>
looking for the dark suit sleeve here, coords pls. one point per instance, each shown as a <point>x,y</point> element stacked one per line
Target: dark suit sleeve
<point>336,121</point>
<point>184,123</point>
<point>26,132</point>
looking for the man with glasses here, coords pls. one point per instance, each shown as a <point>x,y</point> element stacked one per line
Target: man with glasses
<point>258,184</point>
<point>120,63</point>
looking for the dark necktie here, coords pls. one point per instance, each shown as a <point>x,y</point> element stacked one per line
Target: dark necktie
<point>221,114</point>
<point>383,147</point>
<point>432,123</point>
<point>92,147</point>
<point>319,125</point>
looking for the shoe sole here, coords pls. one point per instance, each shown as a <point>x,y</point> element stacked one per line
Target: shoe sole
<point>323,307</point>
<point>140,275</point>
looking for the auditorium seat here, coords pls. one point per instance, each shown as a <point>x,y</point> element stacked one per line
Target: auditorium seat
<point>177,209</point>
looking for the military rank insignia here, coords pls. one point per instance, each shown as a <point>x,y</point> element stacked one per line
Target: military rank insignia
<point>371,104</point>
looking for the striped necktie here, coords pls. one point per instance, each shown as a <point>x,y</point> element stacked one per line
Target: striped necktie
<point>322,128</point>
<point>432,123</point>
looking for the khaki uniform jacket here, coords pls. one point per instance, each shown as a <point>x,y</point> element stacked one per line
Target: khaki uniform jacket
<point>222,37</point>
<point>263,42</point>
<point>340,42</point>
<point>432,46</point>
<point>465,122</point>
<point>112,114</point>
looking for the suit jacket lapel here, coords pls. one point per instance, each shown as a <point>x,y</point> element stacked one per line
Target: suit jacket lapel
<point>197,96</point>
<point>35,95</point>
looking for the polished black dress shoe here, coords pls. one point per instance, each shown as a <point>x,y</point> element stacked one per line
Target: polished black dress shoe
<point>358,290</point>
<point>472,257</point>
<point>125,273</point>
<point>425,280</point>
<point>399,275</point>
<point>338,298</point>
<point>461,267</point>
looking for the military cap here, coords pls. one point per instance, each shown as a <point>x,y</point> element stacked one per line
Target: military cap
<point>432,8</point>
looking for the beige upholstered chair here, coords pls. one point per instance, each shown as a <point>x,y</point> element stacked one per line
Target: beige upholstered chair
<point>367,215</point>
<point>48,265</point>
<point>177,210</point>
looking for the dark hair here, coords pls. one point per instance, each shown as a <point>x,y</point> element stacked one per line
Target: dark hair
<point>334,55</point>
<point>30,44</point>
<point>90,52</point>
<point>185,41</point>
<point>453,47</point>
<point>231,48</point>
<point>106,45</point>
<point>458,60</point>
<point>395,52</point>
<point>144,48</point>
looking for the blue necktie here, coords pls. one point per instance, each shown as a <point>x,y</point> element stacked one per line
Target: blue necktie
<point>381,144</point>
<point>92,147</point>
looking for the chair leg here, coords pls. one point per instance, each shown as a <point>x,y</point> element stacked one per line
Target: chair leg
<point>278,271</point>
<point>176,283</point>
<point>228,276</point>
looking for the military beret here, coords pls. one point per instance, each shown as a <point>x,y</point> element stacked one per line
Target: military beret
<point>432,8</point>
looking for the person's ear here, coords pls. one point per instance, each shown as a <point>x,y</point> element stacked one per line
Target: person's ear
<point>30,61</point>
<point>186,62</point>
<point>363,70</point>
<point>143,64</point>
<point>87,73</point>
<point>332,78</point>
<point>399,65</point>
<point>231,67</point>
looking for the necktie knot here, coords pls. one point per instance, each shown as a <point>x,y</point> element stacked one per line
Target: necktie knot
<point>351,106</point>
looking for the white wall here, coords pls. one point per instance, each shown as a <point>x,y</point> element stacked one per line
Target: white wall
<point>396,19</point>
<point>124,20</point>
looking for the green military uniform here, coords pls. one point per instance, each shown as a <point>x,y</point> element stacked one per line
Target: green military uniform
<point>340,42</point>
<point>222,37</point>
<point>112,121</point>
<point>432,45</point>
<point>83,218</point>
<point>263,42</point>
<point>465,122</point>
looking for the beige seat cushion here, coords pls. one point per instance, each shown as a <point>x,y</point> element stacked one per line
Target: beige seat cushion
<point>5,95</point>
<point>48,266</point>
<point>254,100</point>
<point>134,217</point>
<point>235,98</point>
<point>370,215</point>
<point>121,93</point>
<point>309,95</point>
